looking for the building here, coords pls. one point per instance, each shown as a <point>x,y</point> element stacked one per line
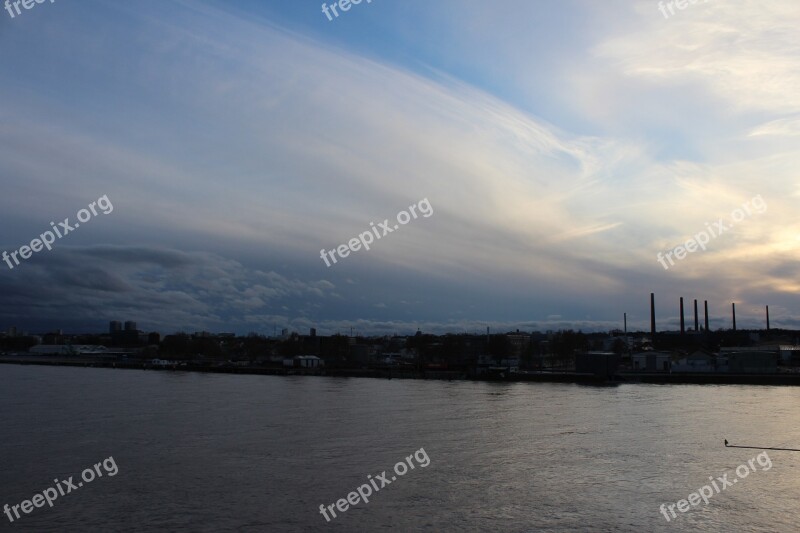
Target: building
<point>615,341</point>
<point>751,361</point>
<point>56,337</point>
<point>788,354</point>
<point>114,327</point>
<point>61,349</point>
<point>304,361</point>
<point>696,362</point>
<point>601,364</point>
<point>130,326</point>
<point>518,344</point>
<point>651,361</point>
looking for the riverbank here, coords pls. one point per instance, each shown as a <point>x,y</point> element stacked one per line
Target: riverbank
<point>395,373</point>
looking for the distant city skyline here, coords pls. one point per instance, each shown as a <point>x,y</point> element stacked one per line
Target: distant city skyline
<point>693,313</point>
<point>564,145</point>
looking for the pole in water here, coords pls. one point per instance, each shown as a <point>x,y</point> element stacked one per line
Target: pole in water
<point>760,447</point>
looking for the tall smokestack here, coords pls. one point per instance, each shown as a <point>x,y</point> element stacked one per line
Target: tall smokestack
<point>696,322</point>
<point>625,322</point>
<point>767,318</point>
<point>653,316</point>
<point>706,306</point>
<point>733,311</point>
<point>683,330</point>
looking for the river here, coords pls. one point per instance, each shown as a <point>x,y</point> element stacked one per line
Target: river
<point>219,452</point>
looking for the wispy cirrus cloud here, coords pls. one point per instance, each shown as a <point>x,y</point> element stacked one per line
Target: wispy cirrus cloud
<point>258,144</point>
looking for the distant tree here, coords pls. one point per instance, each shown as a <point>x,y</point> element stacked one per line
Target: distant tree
<point>255,346</point>
<point>618,346</point>
<point>206,346</point>
<point>289,347</point>
<point>528,355</point>
<point>150,352</point>
<point>422,345</point>
<point>176,346</point>
<point>334,350</point>
<point>564,344</point>
<point>17,344</point>
<point>499,348</point>
<point>453,348</point>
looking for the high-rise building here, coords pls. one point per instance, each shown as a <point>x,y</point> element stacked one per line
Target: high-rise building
<point>114,326</point>
<point>130,325</point>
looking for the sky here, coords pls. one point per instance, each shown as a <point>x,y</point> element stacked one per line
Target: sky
<point>561,146</point>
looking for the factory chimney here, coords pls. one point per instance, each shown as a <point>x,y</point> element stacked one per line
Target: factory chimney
<point>653,316</point>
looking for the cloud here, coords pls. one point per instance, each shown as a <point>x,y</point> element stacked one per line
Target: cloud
<point>160,289</point>
<point>789,127</point>
<point>234,150</point>
<point>745,54</point>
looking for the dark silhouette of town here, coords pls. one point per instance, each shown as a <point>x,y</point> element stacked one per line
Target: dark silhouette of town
<point>688,355</point>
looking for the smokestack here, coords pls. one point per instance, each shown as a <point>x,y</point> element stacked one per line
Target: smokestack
<point>625,322</point>
<point>706,305</point>
<point>653,316</point>
<point>696,322</point>
<point>767,318</point>
<point>733,310</point>
<point>683,330</point>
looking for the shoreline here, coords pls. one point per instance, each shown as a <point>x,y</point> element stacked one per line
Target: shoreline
<point>785,379</point>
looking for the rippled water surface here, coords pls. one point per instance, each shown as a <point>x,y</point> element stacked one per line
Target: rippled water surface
<point>206,452</point>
